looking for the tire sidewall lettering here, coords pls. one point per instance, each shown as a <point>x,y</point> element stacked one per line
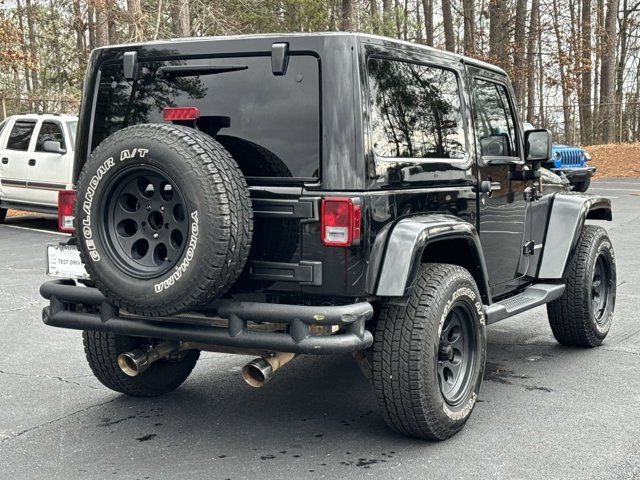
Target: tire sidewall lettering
<point>87,200</point>
<point>605,247</point>
<point>462,411</point>
<point>187,258</point>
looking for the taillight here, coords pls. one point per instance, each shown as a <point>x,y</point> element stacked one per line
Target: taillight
<point>65,210</point>
<point>172,114</point>
<point>340,221</point>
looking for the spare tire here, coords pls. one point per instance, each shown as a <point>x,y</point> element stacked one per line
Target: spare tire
<point>163,219</point>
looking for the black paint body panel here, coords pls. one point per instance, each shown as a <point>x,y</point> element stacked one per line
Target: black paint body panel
<point>430,199</point>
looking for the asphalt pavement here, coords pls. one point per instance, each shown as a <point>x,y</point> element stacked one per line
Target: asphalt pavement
<point>544,411</point>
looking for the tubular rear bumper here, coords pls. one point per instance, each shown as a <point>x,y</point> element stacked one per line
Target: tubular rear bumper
<point>68,302</point>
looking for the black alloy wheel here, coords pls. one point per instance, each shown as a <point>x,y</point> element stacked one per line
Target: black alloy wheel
<point>601,288</point>
<point>144,227</point>
<point>456,351</point>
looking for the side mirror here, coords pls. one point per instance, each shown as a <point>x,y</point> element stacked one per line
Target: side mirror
<point>52,146</point>
<point>537,145</point>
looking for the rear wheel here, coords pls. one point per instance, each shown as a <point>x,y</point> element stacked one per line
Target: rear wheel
<point>102,350</point>
<point>428,357</point>
<point>582,316</point>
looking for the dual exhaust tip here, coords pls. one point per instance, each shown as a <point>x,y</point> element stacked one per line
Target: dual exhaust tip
<point>259,371</point>
<point>256,373</point>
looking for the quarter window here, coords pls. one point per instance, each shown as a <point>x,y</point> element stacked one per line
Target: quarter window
<point>494,120</point>
<point>49,131</point>
<point>20,135</point>
<point>415,111</point>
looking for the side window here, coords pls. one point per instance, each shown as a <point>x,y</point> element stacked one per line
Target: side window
<point>49,131</point>
<point>494,120</point>
<point>415,111</point>
<point>20,135</point>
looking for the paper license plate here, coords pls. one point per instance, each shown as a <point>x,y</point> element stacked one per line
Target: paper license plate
<point>64,261</point>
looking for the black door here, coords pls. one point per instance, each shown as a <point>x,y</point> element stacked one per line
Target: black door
<point>502,205</point>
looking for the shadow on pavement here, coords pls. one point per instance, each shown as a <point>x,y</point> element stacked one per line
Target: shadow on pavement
<point>36,221</point>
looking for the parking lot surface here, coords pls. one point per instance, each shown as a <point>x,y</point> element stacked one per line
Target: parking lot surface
<point>545,411</point>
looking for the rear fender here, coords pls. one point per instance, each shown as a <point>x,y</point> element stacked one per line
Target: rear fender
<point>409,241</point>
<point>569,211</point>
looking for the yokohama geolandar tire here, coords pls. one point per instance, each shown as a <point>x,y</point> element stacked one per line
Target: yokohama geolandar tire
<point>429,356</point>
<point>163,218</point>
<point>102,350</point>
<point>582,316</point>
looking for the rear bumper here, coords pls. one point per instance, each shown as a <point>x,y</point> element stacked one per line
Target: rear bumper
<point>575,175</point>
<point>71,306</point>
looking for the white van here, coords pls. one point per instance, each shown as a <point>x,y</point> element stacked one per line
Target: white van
<point>36,161</point>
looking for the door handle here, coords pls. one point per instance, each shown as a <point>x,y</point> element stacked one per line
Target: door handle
<point>32,162</point>
<point>5,160</point>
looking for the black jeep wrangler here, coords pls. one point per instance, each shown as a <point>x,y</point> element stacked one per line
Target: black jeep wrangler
<point>276,195</point>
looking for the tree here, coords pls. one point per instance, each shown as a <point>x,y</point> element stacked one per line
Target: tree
<point>531,59</point>
<point>387,11</point>
<point>180,17</point>
<point>102,23</point>
<point>607,72</point>
<point>427,6</point>
<point>33,48</point>
<point>80,28</point>
<point>447,23</point>
<point>468,10</point>
<point>375,16</point>
<point>585,85</point>
<point>563,59</point>
<point>346,23</point>
<point>136,18</point>
<point>498,32</point>
<point>519,43</point>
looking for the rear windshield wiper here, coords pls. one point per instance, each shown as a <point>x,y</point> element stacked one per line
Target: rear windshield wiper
<point>195,70</point>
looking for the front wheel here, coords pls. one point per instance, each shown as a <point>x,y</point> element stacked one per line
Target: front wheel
<point>582,316</point>
<point>428,356</point>
<point>582,186</point>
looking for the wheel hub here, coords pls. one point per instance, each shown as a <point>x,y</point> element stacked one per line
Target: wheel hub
<point>600,288</point>
<point>145,225</point>
<point>446,353</point>
<point>456,354</point>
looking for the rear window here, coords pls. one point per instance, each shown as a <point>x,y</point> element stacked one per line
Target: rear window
<point>269,123</point>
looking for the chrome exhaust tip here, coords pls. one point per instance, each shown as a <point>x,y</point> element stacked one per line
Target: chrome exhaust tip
<point>260,370</point>
<point>135,362</point>
<point>257,372</point>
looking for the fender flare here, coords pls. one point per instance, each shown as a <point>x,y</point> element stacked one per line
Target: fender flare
<point>569,211</point>
<point>406,243</point>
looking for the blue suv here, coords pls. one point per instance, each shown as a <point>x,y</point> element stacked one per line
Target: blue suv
<point>570,162</point>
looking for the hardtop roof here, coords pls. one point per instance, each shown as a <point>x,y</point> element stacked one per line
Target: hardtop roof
<point>362,37</point>
<point>45,116</point>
